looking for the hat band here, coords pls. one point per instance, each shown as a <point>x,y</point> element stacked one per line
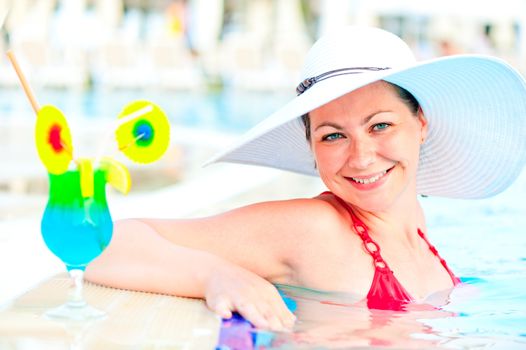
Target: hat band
<point>307,83</point>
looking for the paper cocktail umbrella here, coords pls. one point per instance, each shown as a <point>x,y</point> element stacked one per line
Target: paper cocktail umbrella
<point>144,131</point>
<point>53,140</point>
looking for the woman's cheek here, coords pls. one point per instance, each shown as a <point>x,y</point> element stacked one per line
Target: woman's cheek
<point>398,146</point>
<point>329,159</point>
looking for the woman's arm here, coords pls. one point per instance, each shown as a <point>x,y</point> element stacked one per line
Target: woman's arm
<point>140,259</point>
<point>262,237</point>
<point>220,258</point>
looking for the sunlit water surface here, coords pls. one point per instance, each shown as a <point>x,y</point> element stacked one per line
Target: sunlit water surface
<point>484,242</point>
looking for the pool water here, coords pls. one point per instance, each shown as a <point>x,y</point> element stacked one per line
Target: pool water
<point>484,242</point>
<point>223,111</point>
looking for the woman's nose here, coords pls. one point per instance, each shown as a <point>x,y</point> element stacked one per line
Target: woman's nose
<point>362,153</point>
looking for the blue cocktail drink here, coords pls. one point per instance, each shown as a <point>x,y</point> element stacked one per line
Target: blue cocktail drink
<point>76,228</point>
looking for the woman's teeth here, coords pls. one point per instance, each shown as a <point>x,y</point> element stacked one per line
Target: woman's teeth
<point>370,180</point>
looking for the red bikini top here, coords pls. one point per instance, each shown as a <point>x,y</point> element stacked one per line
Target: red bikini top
<point>386,292</point>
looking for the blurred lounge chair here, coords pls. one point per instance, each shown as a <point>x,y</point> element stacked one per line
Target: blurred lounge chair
<point>245,64</point>
<point>48,62</point>
<point>248,65</point>
<point>267,55</point>
<point>120,65</point>
<point>173,65</point>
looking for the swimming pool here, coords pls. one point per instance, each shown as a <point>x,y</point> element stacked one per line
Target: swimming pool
<point>484,242</point>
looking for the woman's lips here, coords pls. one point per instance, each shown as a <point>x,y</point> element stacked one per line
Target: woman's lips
<point>371,181</point>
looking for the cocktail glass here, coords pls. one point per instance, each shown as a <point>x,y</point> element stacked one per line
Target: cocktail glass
<point>76,229</point>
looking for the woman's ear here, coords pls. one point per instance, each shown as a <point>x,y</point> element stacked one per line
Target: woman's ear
<point>423,125</point>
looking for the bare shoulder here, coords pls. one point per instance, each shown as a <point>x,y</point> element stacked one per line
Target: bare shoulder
<point>308,235</point>
<point>280,219</point>
<point>297,214</point>
<point>300,224</point>
<point>307,215</point>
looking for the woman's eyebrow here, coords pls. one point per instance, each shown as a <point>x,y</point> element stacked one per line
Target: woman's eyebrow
<point>372,115</point>
<point>365,120</point>
<point>331,124</point>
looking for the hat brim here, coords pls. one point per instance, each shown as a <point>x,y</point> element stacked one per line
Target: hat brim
<point>475,106</point>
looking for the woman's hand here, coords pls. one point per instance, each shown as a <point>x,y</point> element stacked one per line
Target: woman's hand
<point>232,288</point>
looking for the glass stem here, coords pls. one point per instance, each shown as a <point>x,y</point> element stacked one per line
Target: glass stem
<point>76,298</point>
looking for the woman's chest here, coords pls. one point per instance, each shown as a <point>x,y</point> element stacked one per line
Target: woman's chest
<point>343,264</point>
<point>335,264</point>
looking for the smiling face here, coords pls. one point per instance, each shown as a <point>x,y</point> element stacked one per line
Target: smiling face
<point>366,145</point>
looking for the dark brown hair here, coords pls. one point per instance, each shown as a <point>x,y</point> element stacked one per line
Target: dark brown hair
<point>405,96</point>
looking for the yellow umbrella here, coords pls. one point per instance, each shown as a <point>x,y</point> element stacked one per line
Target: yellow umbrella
<point>144,131</point>
<point>53,140</point>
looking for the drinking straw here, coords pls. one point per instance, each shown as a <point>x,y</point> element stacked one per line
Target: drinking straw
<point>29,91</point>
<point>23,81</point>
<point>138,113</point>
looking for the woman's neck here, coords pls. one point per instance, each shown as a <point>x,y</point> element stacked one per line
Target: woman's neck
<point>400,221</point>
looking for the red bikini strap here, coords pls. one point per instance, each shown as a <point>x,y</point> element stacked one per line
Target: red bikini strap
<point>361,229</point>
<point>433,250</point>
<point>372,247</point>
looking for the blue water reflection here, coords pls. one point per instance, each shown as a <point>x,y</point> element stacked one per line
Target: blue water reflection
<point>223,111</point>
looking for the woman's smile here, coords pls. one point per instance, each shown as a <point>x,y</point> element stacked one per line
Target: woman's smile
<point>369,182</point>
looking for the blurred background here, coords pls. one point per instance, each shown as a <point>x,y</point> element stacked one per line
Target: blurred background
<point>216,67</point>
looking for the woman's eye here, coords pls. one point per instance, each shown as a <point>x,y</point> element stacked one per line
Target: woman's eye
<point>332,137</point>
<point>380,126</point>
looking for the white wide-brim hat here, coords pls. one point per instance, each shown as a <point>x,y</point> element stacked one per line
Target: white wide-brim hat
<point>475,107</point>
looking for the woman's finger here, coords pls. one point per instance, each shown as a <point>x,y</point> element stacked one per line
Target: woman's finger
<point>289,319</point>
<point>221,306</point>
<point>272,312</point>
<point>252,314</point>
<point>279,308</point>
<point>275,323</point>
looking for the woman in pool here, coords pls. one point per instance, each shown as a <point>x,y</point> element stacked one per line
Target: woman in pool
<point>379,129</point>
